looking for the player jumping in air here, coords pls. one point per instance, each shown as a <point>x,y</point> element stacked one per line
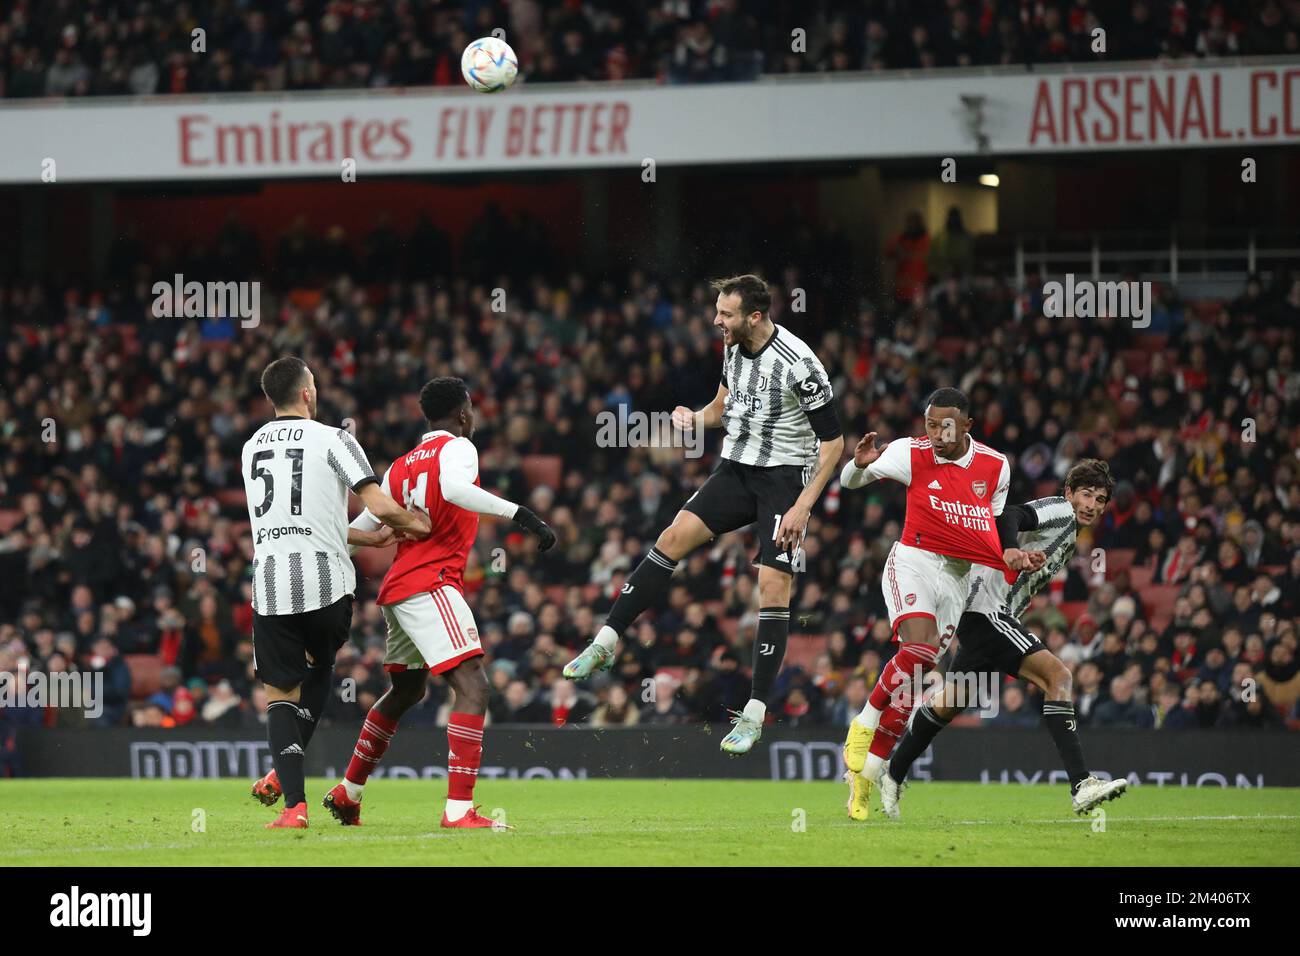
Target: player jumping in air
<point>991,638</point>
<point>430,627</point>
<point>782,444</point>
<point>956,488</point>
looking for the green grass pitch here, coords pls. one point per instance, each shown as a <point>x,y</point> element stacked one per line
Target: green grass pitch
<point>646,822</point>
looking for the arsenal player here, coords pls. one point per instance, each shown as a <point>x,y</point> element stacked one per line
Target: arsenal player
<point>430,627</point>
<point>956,488</point>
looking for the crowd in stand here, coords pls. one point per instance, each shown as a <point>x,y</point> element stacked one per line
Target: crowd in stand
<point>124,527</point>
<point>124,47</point>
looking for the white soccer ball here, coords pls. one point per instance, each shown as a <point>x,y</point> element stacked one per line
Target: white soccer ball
<point>489,65</point>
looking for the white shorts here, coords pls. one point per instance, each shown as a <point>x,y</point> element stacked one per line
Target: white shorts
<point>434,630</point>
<point>920,583</point>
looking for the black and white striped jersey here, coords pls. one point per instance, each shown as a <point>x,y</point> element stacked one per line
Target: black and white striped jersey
<point>297,473</point>
<point>770,394</point>
<point>1054,536</point>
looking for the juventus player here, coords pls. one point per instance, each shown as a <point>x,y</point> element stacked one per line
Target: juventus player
<point>991,637</point>
<point>297,473</point>
<point>956,488</point>
<point>782,445</point>
<point>430,627</point>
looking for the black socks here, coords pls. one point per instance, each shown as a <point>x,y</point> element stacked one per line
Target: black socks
<point>769,649</point>
<point>647,585</point>
<point>285,737</point>
<point>313,694</point>
<point>921,731</point>
<point>1064,728</point>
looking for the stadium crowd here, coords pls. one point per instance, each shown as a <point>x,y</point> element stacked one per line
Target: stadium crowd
<point>123,526</point>
<point>122,47</point>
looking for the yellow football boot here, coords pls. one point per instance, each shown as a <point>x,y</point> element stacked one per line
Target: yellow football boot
<point>859,795</point>
<point>856,746</point>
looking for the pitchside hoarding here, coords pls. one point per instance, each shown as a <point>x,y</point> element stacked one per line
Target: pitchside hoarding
<point>991,755</point>
<point>430,131</point>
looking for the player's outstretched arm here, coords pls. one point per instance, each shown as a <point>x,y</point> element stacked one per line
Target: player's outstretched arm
<point>456,481</point>
<point>870,463</point>
<point>710,416</point>
<point>414,524</point>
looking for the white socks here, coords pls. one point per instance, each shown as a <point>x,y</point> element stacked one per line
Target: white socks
<point>457,809</point>
<point>875,766</point>
<point>354,789</point>
<point>869,717</point>
<point>755,710</point>
<point>607,638</point>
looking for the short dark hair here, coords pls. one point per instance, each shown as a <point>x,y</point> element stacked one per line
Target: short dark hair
<point>1090,473</point>
<point>442,396</point>
<point>949,398</point>
<point>753,292</point>
<point>282,379</point>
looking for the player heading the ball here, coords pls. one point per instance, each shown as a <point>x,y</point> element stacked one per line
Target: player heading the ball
<point>781,447</point>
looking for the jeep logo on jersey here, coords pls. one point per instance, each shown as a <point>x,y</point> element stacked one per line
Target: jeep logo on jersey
<point>980,488</point>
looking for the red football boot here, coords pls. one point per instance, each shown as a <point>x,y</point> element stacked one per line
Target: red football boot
<point>346,810</point>
<point>472,821</point>
<point>267,790</point>
<point>290,818</point>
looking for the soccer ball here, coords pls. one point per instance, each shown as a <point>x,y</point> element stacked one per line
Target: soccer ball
<point>489,65</point>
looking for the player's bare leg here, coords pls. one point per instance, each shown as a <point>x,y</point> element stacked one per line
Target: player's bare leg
<point>469,701</point>
<point>864,755</point>
<point>406,690</point>
<point>645,587</point>
<point>287,755</point>
<point>1049,674</point>
<point>774,589</point>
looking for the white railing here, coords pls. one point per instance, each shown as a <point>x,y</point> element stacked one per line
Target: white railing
<point>1100,261</point>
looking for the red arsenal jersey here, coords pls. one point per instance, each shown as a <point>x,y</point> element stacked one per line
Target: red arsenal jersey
<point>439,559</point>
<point>951,505</point>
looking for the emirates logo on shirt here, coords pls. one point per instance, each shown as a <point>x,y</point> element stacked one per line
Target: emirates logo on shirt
<point>980,488</point>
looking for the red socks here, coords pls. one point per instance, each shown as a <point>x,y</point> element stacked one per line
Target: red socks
<point>892,724</point>
<point>464,751</point>
<point>376,732</point>
<point>912,658</point>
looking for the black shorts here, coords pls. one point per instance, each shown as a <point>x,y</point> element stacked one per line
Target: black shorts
<point>281,642</point>
<point>987,643</point>
<point>737,495</point>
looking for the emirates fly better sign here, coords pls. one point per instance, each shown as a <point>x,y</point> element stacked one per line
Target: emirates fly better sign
<point>946,113</point>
